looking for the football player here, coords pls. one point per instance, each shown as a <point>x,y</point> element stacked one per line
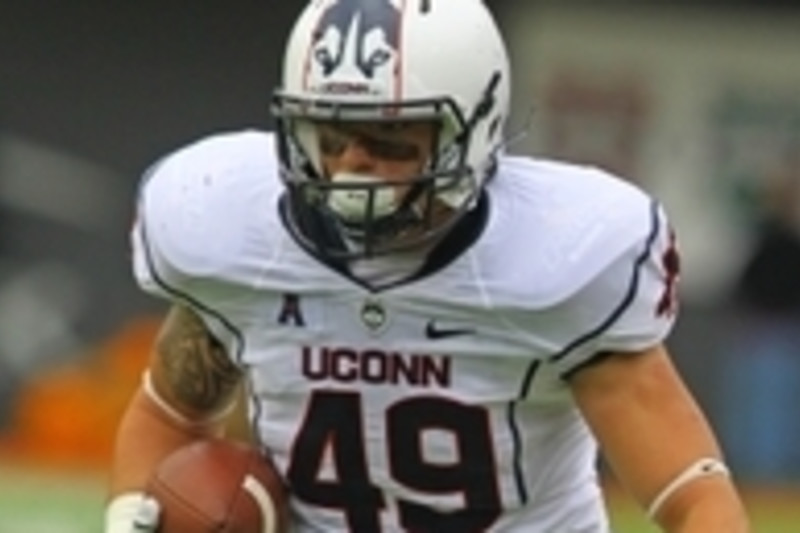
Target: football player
<point>434,336</point>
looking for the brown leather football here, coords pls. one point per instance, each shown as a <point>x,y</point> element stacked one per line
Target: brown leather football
<point>217,485</point>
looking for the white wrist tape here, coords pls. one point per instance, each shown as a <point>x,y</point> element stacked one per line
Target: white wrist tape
<point>132,512</point>
<point>707,466</point>
<point>174,415</point>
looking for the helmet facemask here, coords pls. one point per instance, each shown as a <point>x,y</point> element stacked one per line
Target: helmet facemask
<point>371,214</point>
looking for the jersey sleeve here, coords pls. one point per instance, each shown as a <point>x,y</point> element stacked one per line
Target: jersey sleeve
<point>187,242</point>
<point>648,311</point>
<point>142,255</point>
<point>158,275</point>
<point>631,304</point>
<point>166,237</point>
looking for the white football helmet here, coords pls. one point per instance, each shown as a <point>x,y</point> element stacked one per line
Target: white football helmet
<point>390,60</point>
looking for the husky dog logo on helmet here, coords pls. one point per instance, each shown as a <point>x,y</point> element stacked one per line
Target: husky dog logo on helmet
<point>356,39</point>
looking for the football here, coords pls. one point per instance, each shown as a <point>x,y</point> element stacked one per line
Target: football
<point>218,485</point>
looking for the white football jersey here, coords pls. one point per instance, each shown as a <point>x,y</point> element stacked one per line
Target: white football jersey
<point>436,405</point>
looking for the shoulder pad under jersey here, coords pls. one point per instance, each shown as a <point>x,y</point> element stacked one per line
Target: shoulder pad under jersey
<point>562,225</point>
<point>203,211</point>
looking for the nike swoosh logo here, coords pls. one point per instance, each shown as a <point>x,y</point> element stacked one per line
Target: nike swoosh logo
<point>433,332</point>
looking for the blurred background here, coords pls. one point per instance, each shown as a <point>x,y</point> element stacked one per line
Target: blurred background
<point>698,102</point>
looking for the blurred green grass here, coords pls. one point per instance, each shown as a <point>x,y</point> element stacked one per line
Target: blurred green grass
<point>45,501</point>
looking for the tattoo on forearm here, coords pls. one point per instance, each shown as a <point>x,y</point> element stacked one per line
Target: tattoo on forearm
<point>195,366</point>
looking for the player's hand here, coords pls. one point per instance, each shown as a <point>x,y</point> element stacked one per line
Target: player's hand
<point>132,513</point>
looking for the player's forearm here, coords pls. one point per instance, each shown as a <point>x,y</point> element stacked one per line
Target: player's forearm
<point>145,436</point>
